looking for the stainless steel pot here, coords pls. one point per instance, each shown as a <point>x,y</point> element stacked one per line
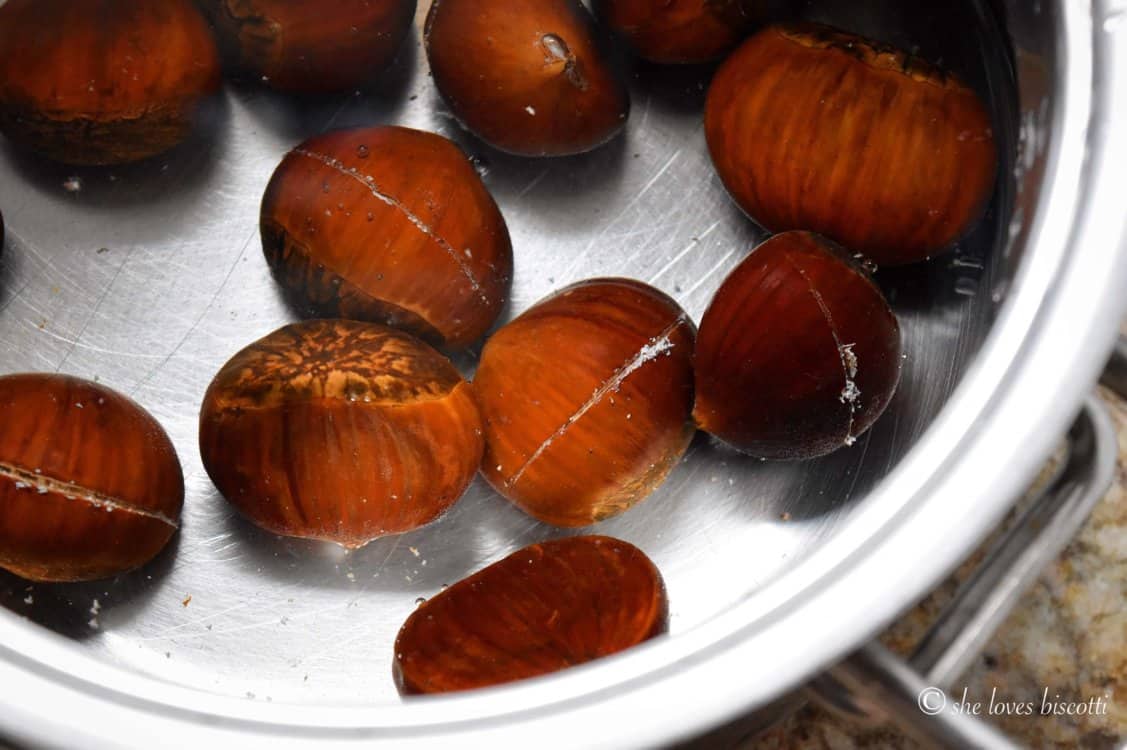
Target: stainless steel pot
<point>149,277</point>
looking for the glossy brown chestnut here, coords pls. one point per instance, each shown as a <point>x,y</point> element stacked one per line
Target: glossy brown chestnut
<point>340,431</point>
<point>310,47</point>
<point>90,485</point>
<point>681,31</point>
<point>544,608</point>
<point>587,400</point>
<point>389,225</point>
<point>798,354</point>
<point>527,76</point>
<point>103,81</point>
<point>814,129</point>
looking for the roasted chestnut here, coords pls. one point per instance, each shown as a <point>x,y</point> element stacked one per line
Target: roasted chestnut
<point>811,128</point>
<point>542,609</point>
<point>587,399</point>
<point>389,225</point>
<point>90,485</point>
<point>340,431</point>
<point>103,81</point>
<point>681,31</point>
<point>798,354</point>
<point>307,47</point>
<point>527,76</point>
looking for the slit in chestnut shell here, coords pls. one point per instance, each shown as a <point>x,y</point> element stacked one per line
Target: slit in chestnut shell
<point>544,608</point>
<point>798,354</point>
<point>528,77</point>
<point>90,484</point>
<point>587,400</point>
<point>309,47</point>
<point>102,82</point>
<point>815,129</point>
<point>681,31</point>
<point>340,431</point>
<point>389,225</point>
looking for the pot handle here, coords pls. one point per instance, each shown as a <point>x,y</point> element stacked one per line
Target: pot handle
<point>874,686</point>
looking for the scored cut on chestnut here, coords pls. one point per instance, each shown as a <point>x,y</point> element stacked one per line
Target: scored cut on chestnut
<point>681,31</point>
<point>587,400</point>
<point>306,48</point>
<point>542,609</point>
<point>90,485</point>
<point>798,354</point>
<point>341,431</point>
<point>528,77</point>
<point>103,82</point>
<point>389,225</point>
<point>815,129</point>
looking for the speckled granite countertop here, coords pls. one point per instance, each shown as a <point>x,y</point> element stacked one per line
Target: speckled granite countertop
<point>1069,635</point>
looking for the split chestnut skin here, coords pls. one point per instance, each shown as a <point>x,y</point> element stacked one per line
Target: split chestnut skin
<point>389,225</point>
<point>681,31</point>
<point>814,129</point>
<point>340,431</point>
<point>528,77</point>
<point>587,400</point>
<point>798,354</point>
<point>90,485</point>
<point>544,608</point>
<point>99,82</point>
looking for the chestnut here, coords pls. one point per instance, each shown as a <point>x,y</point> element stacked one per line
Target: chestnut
<point>544,608</point>
<point>587,400</point>
<point>680,31</point>
<point>340,431</point>
<point>103,81</point>
<point>307,47</point>
<point>815,129</point>
<point>90,485</point>
<point>389,225</point>
<point>526,76</point>
<point>798,353</point>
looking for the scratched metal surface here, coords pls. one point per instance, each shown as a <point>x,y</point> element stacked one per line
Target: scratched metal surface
<point>149,277</point>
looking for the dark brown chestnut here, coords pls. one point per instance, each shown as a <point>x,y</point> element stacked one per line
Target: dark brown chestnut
<point>814,129</point>
<point>527,76</point>
<point>340,431</point>
<point>103,81</point>
<point>681,31</point>
<point>798,354</point>
<point>587,400</point>
<point>389,225</point>
<point>90,485</point>
<point>544,608</point>
<point>307,47</point>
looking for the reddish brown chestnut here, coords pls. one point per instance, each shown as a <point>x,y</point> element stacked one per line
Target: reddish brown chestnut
<point>103,81</point>
<point>90,485</point>
<point>389,225</point>
<point>308,47</point>
<point>544,608</point>
<point>527,76</point>
<point>815,129</point>
<point>341,431</point>
<point>587,400</point>
<point>798,354</point>
<point>681,31</point>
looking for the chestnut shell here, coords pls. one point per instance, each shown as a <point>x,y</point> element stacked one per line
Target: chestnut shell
<point>815,129</point>
<point>389,225</point>
<point>103,81</point>
<point>528,77</point>
<point>308,47</point>
<point>587,400</point>
<point>340,431</point>
<point>544,608</point>
<point>681,31</point>
<point>90,485</point>
<point>798,353</point>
